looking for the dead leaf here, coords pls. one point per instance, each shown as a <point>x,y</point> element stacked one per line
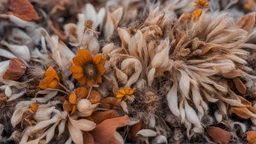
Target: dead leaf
<point>110,102</point>
<point>99,116</point>
<point>105,131</point>
<point>239,85</point>
<point>23,9</point>
<point>246,22</point>
<point>219,135</point>
<point>134,130</point>
<point>242,112</point>
<point>251,137</point>
<point>94,97</point>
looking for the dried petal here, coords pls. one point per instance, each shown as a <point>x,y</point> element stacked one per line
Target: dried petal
<point>251,137</point>
<point>99,116</point>
<point>239,85</point>
<point>15,70</point>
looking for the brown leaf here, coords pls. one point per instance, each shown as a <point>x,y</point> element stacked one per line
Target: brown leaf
<point>218,135</point>
<point>242,112</point>
<point>94,97</point>
<point>251,137</point>
<point>104,132</point>
<point>239,85</point>
<point>88,139</point>
<point>99,116</point>
<point>134,130</point>
<point>23,9</point>
<point>15,70</point>
<point>110,102</point>
<point>246,22</point>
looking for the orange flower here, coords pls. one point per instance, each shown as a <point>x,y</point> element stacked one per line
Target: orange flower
<point>201,3</point>
<point>196,14</point>
<point>126,91</point>
<point>87,69</point>
<point>51,79</point>
<point>70,104</point>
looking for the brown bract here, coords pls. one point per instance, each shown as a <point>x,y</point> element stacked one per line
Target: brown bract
<point>15,70</point>
<point>99,116</point>
<point>23,9</point>
<point>219,135</point>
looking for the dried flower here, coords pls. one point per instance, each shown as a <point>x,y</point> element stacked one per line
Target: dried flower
<point>51,79</point>
<point>196,14</point>
<point>87,69</point>
<point>33,106</point>
<point>124,92</point>
<point>201,3</point>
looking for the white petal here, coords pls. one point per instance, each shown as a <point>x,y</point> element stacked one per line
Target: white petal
<point>83,124</point>
<point>160,139</point>
<point>119,138</point>
<point>20,51</point>
<point>192,116</point>
<point>184,83</point>
<point>7,54</point>
<point>172,99</point>
<point>90,13</point>
<point>44,124</point>
<point>124,106</point>
<point>8,91</point>
<point>61,127</point>
<point>50,133</point>
<point>3,66</point>
<point>100,17</point>
<point>147,133</point>
<point>75,134</point>
<point>17,116</point>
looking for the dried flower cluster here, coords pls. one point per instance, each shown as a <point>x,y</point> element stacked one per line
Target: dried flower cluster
<point>119,71</point>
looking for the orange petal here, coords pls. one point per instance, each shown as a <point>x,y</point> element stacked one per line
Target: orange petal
<point>78,75</point>
<point>82,81</point>
<point>51,72</point>
<point>120,94</point>
<point>73,109</point>
<point>81,92</point>
<point>76,69</point>
<point>99,79</point>
<point>33,106</point>
<point>102,61</point>
<point>85,55</point>
<point>97,58</point>
<point>53,84</point>
<point>219,135</point>
<point>251,137</point>
<point>78,61</point>
<point>90,82</point>
<point>128,90</point>
<point>101,69</point>
<point>67,106</point>
<point>44,83</point>
<point>72,98</point>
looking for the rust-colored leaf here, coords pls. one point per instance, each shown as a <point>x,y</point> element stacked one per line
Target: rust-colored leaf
<point>242,112</point>
<point>104,132</point>
<point>99,116</point>
<point>134,130</point>
<point>15,70</point>
<point>23,9</point>
<point>218,135</point>
<point>246,22</point>
<point>94,97</point>
<point>251,137</point>
<point>239,85</point>
<point>110,102</point>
